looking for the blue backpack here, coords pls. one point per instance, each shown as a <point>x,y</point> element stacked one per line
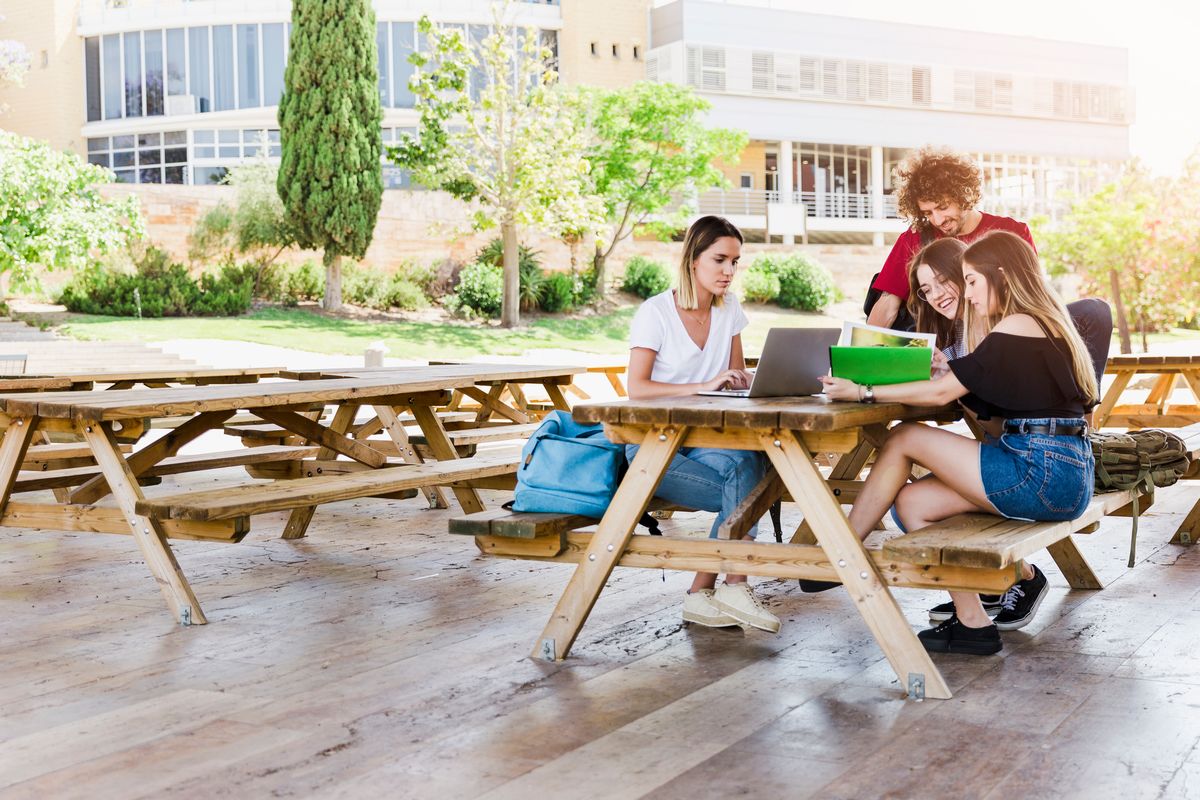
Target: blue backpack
<point>568,468</point>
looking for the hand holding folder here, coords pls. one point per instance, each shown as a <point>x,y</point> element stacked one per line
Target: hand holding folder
<point>880,366</point>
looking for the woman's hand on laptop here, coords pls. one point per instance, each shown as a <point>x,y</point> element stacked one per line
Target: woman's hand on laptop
<point>729,379</point>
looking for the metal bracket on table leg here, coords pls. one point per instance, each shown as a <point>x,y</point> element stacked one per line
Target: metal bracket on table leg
<point>548,649</point>
<point>916,686</point>
<point>185,617</point>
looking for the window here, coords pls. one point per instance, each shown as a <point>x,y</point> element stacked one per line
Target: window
<point>133,74</point>
<point>381,47</point>
<point>176,63</point>
<point>113,90</point>
<point>142,158</point>
<point>198,75</point>
<point>223,66</point>
<point>403,45</point>
<point>154,73</point>
<point>91,70</point>
<point>274,60</point>
<point>637,53</point>
<point>247,67</point>
<point>746,180</point>
<point>616,51</point>
<point>594,50</point>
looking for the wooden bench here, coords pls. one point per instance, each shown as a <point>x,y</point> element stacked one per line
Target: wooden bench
<point>218,504</point>
<point>60,456</point>
<point>991,542</point>
<point>258,433</point>
<point>1189,529</point>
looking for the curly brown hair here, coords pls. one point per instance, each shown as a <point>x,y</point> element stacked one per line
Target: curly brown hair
<point>934,174</point>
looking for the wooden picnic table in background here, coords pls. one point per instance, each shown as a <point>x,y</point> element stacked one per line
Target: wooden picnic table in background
<point>615,371</point>
<point>127,379</point>
<point>223,514</point>
<point>1158,410</point>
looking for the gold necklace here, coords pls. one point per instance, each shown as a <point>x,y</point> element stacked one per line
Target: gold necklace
<point>698,320</point>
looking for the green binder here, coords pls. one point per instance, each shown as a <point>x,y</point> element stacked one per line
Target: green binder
<point>880,366</point>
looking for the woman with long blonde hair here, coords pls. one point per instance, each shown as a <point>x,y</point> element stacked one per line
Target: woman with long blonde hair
<point>1029,373</point>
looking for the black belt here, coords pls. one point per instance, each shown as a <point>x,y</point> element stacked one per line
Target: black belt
<point>1053,428</point>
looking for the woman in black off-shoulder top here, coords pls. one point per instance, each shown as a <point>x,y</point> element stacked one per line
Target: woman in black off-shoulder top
<point>1029,374</point>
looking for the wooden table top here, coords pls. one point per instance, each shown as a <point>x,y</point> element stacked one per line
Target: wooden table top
<point>141,403</point>
<point>507,372</point>
<point>166,375</point>
<point>1143,360</point>
<point>791,413</point>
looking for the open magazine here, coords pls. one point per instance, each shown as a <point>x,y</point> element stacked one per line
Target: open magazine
<point>860,334</point>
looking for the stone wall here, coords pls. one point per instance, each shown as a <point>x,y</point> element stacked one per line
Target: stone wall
<point>426,227</point>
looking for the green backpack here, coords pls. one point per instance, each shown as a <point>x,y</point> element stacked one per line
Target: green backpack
<point>1139,460</point>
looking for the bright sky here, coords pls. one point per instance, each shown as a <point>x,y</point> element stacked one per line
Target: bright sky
<point>1161,36</point>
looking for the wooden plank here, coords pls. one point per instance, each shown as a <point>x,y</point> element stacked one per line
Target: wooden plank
<point>257,499</point>
<point>12,453</point>
<point>762,559</point>
<point>607,546</point>
<point>854,568</point>
<point>443,451</point>
<point>1073,565</point>
<point>391,425</point>
<point>168,445</point>
<point>547,545</point>
<point>1109,401</point>
<point>147,531</point>
<point>100,519</point>
<point>489,404</point>
<point>330,439</point>
<point>818,441</point>
<point>752,507</point>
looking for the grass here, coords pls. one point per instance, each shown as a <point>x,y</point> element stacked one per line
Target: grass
<point>301,329</point>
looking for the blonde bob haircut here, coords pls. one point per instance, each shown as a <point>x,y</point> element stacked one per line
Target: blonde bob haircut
<point>1014,278</point>
<point>702,235</point>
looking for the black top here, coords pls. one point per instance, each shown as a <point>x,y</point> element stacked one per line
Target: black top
<point>1020,377</point>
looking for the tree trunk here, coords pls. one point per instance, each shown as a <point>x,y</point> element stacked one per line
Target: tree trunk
<point>598,265</point>
<point>332,299</point>
<point>1122,320</point>
<point>510,310</point>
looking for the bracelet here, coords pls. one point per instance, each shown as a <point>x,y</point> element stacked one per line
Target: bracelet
<point>859,386</point>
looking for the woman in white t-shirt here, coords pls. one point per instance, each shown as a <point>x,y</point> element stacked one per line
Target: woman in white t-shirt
<point>685,341</point>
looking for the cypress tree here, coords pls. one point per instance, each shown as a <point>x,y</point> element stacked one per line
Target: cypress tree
<point>330,178</point>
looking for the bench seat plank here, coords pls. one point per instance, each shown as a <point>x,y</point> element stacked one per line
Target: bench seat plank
<point>532,524</point>
<point>986,540</point>
<point>258,499</point>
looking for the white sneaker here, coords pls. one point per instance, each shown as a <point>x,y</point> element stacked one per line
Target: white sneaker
<point>698,608</point>
<point>739,602</point>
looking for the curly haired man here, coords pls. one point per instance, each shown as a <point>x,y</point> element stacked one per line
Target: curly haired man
<point>936,191</point>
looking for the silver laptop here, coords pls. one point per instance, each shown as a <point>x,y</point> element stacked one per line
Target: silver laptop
<point>792,361</point>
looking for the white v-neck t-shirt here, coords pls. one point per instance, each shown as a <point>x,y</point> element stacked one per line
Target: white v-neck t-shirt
<point>656,326</point>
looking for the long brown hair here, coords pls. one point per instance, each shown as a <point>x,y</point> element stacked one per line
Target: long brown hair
<point>1014,277</point>
<point>944,257</point>
<point>701,236</point>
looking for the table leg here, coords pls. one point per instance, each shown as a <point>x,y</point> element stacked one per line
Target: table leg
<point>1160,395</point>
<point>1104,410</point>
<point>1192,377</point>
<point>1189,530</point>
<point>557,397</point>
<point>13,447</point>
<point>847,468</point>
<point>618,387</point>
<point>147,531</point>
<point>608,543</point>
<point>443,450</point>
<point>299,519</point>
<point>854,566</point>
<point>1074,566</point>
<point>395,431</point>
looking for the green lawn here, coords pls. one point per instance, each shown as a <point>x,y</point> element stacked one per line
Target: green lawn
<point>301,329</point>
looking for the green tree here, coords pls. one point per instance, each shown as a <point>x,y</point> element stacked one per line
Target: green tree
<point>52,212</point>
<point>496,129</point>
<point>330,175</point>
<point>256,225</point>
<point>650,145</point>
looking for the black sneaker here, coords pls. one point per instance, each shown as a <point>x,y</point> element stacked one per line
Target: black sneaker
<point>991,604</point>
<point>812,587</point>
<point>954,637</point>
<point>1021,602</point>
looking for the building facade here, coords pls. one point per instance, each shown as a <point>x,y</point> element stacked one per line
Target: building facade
<point>831,104</point>
<point>178,91</point>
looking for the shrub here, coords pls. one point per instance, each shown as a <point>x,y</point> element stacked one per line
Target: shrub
<point>529,267</point>
<point>406,295</point>
<point>305,282</point>
<point>362,286</point>
<point>159,288</point>
<point>480,289</point>
<point>645,278</point>
<point>426,278</point>
<point>759,285</point>
<point>558,292</point>
<point>803,283</point>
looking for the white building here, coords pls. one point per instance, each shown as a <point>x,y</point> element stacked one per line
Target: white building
<point>832,103</point>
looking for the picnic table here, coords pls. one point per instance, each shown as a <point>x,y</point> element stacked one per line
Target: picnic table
<point>1158,410</point>
<point>977,552</point>
<point>223,514</point>
<point>127,379</point>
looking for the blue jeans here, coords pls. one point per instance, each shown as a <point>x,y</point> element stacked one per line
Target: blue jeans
<point>709,479</point>
<point>1036,476</point>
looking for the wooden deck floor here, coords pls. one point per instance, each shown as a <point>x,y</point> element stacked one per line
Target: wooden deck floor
<point>382,657</point>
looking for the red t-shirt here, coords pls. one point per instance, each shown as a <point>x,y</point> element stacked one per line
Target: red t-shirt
<point>893,278</point>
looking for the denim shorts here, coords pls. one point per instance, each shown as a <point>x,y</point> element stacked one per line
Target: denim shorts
<point>1040,477</point>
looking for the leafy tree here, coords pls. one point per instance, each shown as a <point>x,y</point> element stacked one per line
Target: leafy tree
<point>650,145</point>
<point>330,176</point>
<point>52,212</point>
<point>496,129</point>
<point>257,224</point>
